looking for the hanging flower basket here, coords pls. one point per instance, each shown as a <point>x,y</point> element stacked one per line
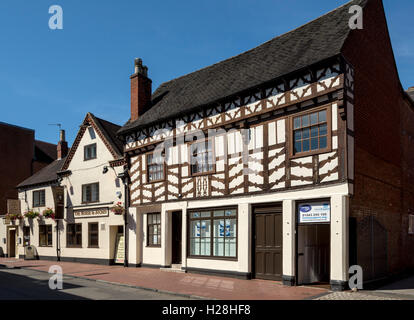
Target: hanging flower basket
<point>31,214</point>
<point>118,209</point>
<point>48,213</point>
<point>14,216</point>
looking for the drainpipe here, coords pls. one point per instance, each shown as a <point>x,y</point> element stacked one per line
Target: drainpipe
<point>126,195</point>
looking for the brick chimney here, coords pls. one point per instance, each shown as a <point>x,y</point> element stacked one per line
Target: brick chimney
<point>62,147</point>
<point>141,90</point>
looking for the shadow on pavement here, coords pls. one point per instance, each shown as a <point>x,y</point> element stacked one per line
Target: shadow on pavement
<point>19,287</point>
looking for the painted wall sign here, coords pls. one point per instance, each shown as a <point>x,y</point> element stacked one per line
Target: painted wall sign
<point>91,213</point>
<point>314,212</point>
<point>13,206</point>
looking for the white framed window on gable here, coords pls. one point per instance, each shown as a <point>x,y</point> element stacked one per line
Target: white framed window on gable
<point>39,198</point>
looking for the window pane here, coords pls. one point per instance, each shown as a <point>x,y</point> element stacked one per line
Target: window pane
<point>205,228</point>
<point>314,118</point>
<point>195,214</point>
<point>314,144</point>
<point>230,247</point>
<point>323,130</point>
<point>298,146</point>
<point>298,135</point>
<point>195,246</point>
<point>195,229</point>
<point>231,228</point>
<point>314,131</point>
<point>322,116</point>
<point>218,246</point>
<point>323,142</point>
<point>305,121</point>
<point>206,214</point>
<point>305,145</point>
<point>230,212</point>
<point>219,213</point>
<point>305,134</point>
<point>296,123</point>
<point>205,247</point>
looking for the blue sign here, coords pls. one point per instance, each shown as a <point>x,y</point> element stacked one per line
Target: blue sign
<point>315,212</point>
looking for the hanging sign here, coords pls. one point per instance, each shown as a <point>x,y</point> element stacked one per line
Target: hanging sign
<point>314,212</point>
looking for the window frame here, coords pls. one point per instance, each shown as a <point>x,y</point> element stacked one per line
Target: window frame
<point>212,218</point>
<point>148,244</point>
<point>91,233</point>
<point>292,154</point>
<point>147,168</point>
<point>90,184</point>
<point>46,234</point>
<point>84,152</point>
<point>73,233</point>
<point>44,197</point>
<point>213,156</point>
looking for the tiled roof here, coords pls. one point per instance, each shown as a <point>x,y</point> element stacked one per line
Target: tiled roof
<point>311,43</point>
<point>47,175</point>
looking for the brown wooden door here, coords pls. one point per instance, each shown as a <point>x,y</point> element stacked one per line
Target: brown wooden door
<point>268,243</point>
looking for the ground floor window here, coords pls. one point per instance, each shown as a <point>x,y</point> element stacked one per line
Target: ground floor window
<point>74,235</point>
<point>213,233</point>
<point>93,235</point>
<point>154,229</point>
<point>45,236</point>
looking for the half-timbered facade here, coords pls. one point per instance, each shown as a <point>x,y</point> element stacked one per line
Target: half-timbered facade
<point>247,167</point>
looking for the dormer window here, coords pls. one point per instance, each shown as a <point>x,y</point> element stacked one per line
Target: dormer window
<point>90,152</point>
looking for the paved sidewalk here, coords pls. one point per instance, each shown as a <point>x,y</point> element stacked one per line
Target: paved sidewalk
<point>185,284</point>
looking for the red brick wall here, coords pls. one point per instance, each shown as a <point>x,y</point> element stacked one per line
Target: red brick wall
<point>17,148</point>
<point>379,154</point>
<point>141,88</point>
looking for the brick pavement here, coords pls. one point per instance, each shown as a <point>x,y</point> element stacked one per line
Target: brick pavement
<point>210,287</point>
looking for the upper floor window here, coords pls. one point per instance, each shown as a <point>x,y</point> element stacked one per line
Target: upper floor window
<point>90,192</point>
<point>90,152</point>
<point>39,198</point>
<point>155,168</point>
<point>310,132</point>
<point>201,157</point>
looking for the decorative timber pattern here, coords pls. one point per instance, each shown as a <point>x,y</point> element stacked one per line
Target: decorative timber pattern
<point>261,162</point>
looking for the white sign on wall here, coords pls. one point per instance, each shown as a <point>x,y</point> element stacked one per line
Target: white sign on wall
<point>314,212</point>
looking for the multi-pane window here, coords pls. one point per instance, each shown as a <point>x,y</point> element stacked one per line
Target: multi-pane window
<point>39,198</point>
<point>411,224</point>
<point>155,168</point>
<point>90,151</point>
<point>202,157</point>
<point>310,132</point>
<point>90,192</point>
<point>74,235</point>
<point>45,235</point>
<point>213,233</point>
<point>154,229</point>
<point>93,235</point>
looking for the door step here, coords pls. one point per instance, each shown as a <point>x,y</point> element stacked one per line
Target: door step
<point>174,268</point>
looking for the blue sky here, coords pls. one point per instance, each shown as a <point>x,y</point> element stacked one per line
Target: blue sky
<point>57,76</point>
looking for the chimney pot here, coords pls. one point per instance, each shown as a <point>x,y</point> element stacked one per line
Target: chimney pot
<point>141,90</point>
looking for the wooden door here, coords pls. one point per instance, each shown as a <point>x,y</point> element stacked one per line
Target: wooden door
<point>176,238</point>
<point>268,243</point>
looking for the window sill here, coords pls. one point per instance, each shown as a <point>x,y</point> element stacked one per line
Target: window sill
<point>74,247</point>
<point>309,154</point>
<point>93,247</point>
<point>51,246</point>
<point>213,258</point>
<point>153,246</point>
